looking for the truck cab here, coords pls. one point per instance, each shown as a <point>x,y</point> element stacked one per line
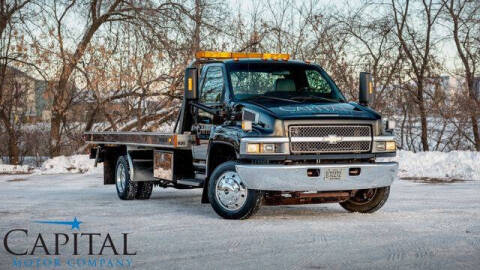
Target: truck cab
<point>262,129</point>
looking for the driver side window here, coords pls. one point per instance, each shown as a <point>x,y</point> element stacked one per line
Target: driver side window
<point>213,86</point>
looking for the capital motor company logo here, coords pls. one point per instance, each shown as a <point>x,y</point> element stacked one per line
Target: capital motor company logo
<point>72,249</point>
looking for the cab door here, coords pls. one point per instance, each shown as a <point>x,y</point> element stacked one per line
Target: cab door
<point>211,95</point>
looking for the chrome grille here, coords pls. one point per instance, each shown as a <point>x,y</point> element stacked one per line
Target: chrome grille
<point>330,138</point>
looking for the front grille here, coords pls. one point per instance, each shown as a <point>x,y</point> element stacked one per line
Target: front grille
<point>324,131</point>
<point>322,147</point>
<point>330,139</point>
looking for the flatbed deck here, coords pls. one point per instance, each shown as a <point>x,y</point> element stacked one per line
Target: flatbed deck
<point>139,138</point>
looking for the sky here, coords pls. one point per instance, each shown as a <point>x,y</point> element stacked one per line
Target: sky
<point>447,47</point>
<point>448,53</point>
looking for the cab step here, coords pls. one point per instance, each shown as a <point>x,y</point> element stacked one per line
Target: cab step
<point>191,182</point>
<point>200,165</point>
<point>200,176</point>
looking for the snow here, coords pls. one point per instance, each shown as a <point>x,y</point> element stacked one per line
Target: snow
<point>421,226</point>
<point>70,164</point>
<point>445,165</point>
<point>166,127</point>
<point>14,169</point>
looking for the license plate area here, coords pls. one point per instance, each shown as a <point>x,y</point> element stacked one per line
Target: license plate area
<point>332,174</point>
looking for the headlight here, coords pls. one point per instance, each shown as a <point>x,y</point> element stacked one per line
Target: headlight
<point>380,145</point>
<point>268,148</point>
<point>265,146</point>
<point>390,146</point>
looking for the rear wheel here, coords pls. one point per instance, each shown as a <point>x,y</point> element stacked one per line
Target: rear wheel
<point>367,200</point>
<point>126,188</point>
<point>144,190</point>
<point>228,195</point>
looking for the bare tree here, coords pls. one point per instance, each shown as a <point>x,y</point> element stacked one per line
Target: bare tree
<point>376,50</point>
<point>140,65</point>
<point>8,11</point>
<point>99,14</point>
<point>248,28</point>
<point>13,109</point>
<point>464,17</point>
<point>12,50</point>
<point>126,75</point>
<point>417,45</point>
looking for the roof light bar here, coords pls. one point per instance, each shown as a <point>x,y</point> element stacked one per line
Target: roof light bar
<point>237,55</point>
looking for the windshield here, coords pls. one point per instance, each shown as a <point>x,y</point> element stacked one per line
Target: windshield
<point>290,81</point>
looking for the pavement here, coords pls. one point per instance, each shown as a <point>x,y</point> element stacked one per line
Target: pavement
<point>423,225</point>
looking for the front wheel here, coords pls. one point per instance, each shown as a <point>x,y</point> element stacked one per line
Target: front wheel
<point>367,200</point>
<point>228,195</point>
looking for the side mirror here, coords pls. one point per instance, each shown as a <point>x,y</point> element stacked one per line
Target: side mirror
<point>191,87</point>
<point>366,89</point>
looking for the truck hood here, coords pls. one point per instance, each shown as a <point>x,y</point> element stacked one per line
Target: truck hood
<point>292,110</point>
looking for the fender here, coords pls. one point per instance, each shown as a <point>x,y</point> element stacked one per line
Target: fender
<point>225,135</point>
<point>228,135</point>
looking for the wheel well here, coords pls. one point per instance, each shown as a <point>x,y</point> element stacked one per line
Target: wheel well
<point>110,156</point>
<point>218,154</point>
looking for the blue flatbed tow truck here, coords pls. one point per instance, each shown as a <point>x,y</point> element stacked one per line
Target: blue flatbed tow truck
<point>259,128</point>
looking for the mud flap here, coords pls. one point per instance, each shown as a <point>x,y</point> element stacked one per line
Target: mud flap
<point>205,192</point>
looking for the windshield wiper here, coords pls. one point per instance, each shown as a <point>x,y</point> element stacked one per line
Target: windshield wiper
<point>274,98</point>
<point>310,97</point>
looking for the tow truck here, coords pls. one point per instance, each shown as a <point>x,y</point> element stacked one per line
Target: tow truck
<point>259,128</point>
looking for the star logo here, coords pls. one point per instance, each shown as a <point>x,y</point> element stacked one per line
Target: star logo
<point>75,223</point>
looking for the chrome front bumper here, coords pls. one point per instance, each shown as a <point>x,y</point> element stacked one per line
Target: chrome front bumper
<point>295,178</point>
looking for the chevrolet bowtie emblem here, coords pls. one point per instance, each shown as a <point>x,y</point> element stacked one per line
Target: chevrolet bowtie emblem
<point>333,139</point>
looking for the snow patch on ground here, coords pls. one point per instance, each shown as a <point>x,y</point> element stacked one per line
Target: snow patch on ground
<point>451,165</point>
<point>71,164</point>
<point>14,169</point>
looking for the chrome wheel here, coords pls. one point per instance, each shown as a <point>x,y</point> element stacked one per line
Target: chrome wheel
<point>121,177</point>
<point>231,193</point>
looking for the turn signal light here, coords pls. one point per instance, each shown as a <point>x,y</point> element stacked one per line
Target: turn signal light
<point>246,125</point>
<point>173,140</point>
<point>253,148</point>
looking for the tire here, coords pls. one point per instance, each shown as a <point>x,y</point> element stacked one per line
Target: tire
<point>144,190</point>
<point>126,188</point>
<point>365,201</point>
<point>242,202</point>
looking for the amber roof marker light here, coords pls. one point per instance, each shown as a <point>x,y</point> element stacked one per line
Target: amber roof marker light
<point>238,55</point>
